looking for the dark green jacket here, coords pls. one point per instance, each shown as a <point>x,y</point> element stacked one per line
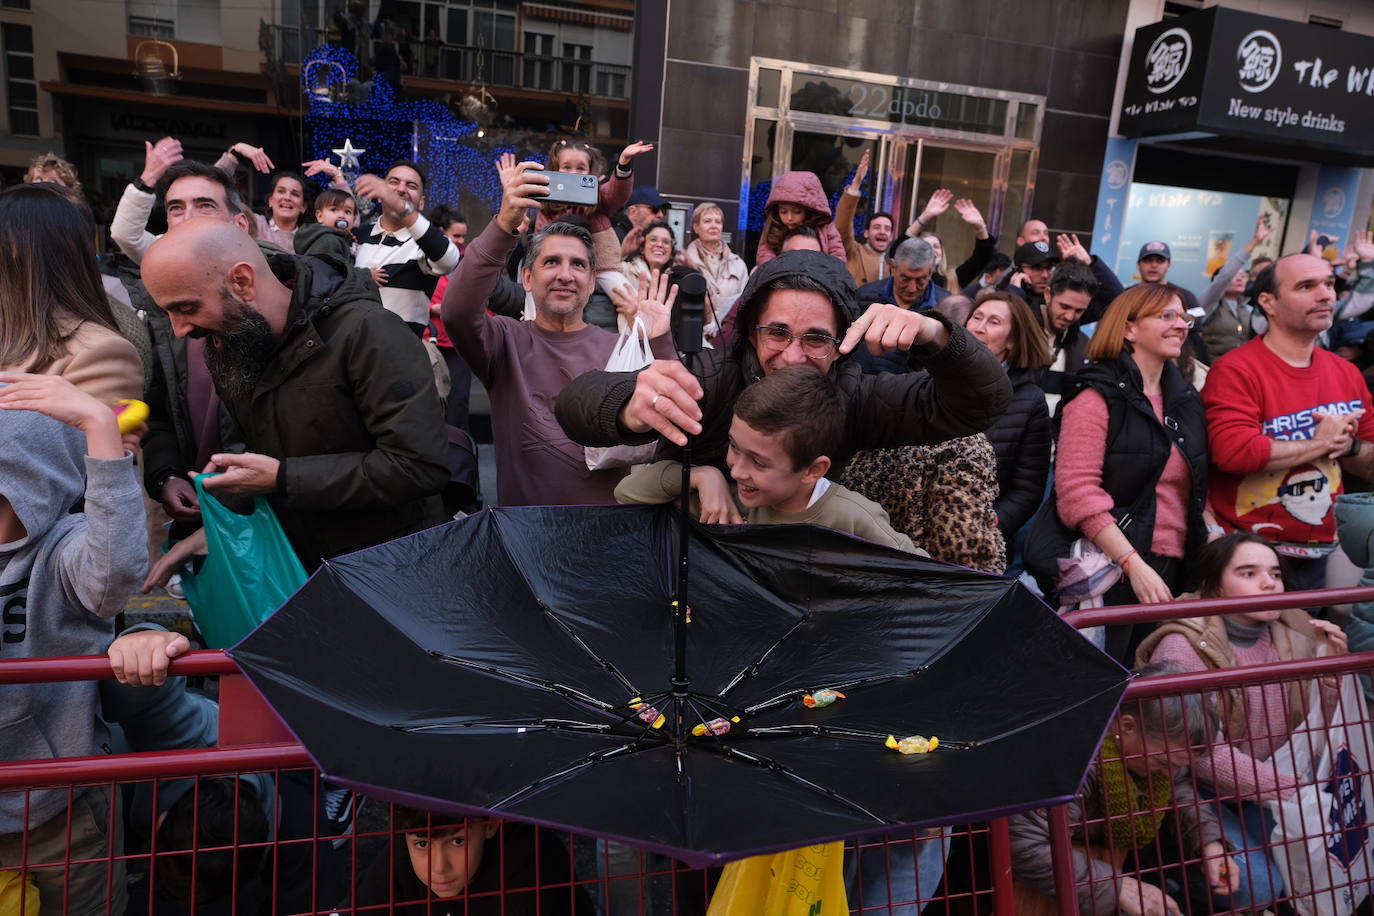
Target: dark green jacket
<point>348,404</point>
<point>319,240</point>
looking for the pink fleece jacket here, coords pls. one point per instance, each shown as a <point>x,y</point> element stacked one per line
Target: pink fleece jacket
<point>1241,769</point>
<point>803,189</point>
<point>1084,505</point>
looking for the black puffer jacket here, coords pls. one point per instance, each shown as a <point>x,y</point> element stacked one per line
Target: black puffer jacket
<point>349,407</point>
<point>1138,445</point>
<point>962,391</point>
<point>1021,438</point>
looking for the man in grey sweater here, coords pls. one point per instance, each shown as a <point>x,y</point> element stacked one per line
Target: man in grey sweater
<point>63,576</point>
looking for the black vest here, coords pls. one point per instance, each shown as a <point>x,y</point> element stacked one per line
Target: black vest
<point>1138,445</point>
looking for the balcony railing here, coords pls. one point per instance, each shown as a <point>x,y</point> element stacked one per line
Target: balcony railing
<point>467,64</point>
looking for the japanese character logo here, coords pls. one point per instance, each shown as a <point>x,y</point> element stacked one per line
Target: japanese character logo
<point>1333,203</point>
<point>1167,60</point>
<point>1117,173</point>
<point>1259,57</point>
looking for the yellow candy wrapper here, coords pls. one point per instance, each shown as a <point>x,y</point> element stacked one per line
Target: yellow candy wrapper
<point>915,744</point>
<point>130,413</point>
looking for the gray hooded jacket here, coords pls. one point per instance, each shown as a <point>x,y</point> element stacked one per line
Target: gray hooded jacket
<point>59,587</point>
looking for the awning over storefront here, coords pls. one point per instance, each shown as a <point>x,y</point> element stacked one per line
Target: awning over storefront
<point>1235,81</point>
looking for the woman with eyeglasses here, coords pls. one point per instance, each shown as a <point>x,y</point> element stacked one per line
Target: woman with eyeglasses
<point>1132,459</point>
<point>657,251</point>
<point>1005,324</point>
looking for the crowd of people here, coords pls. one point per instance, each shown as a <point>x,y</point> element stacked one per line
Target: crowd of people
<point>1017,414</point>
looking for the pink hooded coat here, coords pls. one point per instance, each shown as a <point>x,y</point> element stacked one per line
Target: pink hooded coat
<point>803,189</point>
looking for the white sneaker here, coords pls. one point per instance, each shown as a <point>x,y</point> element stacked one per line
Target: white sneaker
<point>173,587</point>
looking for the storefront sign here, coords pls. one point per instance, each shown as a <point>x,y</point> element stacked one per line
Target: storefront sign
<point>833,95</point>
<point>1226,72</point>
<point>135,123</point>
<point>1118,164</point>
<point>1203,229</point>
<point>1333,208</point>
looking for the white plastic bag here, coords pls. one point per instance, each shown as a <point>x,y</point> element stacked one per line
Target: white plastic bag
<point>632,353</point>
<point>1322,842</point>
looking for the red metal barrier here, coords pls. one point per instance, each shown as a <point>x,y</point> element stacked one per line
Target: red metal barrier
<point>1286,858</point>
<point>1205,607</point>
<point>314,865</point>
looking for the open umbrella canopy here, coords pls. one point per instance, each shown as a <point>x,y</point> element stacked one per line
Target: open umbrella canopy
<point>519,662</point>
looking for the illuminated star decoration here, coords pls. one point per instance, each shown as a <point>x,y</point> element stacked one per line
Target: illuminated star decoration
<point>424,130</point>
<point>348,155</point>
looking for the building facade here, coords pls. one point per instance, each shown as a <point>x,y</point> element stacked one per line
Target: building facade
<point>92,80</point>
<point>1008,103</point>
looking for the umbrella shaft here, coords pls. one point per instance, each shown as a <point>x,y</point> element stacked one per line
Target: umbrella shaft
<point>680,680</point>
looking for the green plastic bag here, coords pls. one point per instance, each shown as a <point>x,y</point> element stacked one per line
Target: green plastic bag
<point>249,572</point>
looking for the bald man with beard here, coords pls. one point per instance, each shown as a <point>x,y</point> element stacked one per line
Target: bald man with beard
<point>333,395</point>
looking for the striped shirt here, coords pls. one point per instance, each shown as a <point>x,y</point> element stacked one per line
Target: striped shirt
<point>415,259</point>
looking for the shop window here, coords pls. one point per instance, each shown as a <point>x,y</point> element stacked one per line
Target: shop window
<point>148,27</point>
<point>494,30</point>
<point>770,82</point>
<point>457,27</point>
<point>577,68</point>
<point>1027,116</point>
<point>611,85</point>
<point>538,61</point>
<point>19,82</point>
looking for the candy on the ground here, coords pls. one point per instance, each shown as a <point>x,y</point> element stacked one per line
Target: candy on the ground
<point>916,744</point>
<point>822,698</point>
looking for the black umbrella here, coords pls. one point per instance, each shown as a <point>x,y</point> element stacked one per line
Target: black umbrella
<point>506,663</point>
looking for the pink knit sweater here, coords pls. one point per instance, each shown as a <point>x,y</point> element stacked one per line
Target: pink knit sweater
<point>1084,505</point>
<point>1240,769</point>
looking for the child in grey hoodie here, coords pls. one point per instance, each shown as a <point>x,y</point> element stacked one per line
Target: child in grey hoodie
<point>63,575</point>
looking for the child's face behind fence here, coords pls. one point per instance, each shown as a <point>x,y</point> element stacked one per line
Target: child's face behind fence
<point>446,858</point>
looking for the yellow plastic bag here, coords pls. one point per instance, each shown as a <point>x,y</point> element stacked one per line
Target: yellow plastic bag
<point>18,894</point>
<point>799,882</point>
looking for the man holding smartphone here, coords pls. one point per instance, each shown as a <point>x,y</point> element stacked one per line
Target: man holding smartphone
<point>406,254</point>
<point>525,364</point>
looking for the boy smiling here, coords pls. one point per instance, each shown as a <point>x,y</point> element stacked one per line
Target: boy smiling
<point>785,427</point>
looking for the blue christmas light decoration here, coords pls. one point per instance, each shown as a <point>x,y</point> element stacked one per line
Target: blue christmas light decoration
<point>385,129</point>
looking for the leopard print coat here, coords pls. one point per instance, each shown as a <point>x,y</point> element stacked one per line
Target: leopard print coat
<point>941,496</point>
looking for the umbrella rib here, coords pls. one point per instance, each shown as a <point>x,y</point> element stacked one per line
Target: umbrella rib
<point>783,699</point>
<point>592,653</point>
<point>1045,718</point>
<point>568,724</point>
<point>590,760</point>
<point>560,689</point>
<point>753,667</point>
<point>833,732</point>
<point>770,763</point>
<point>562,624</point>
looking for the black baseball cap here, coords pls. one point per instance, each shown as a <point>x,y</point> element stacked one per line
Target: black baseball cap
<point>647,195</point>
<point>1033,253</point>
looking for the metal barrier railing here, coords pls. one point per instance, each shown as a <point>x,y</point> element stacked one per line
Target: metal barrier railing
<point>883,872</point>
<point>975,873</point>
<point>1285,863</point>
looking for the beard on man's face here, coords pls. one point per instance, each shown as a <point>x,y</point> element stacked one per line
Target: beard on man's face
<point>245,348</point>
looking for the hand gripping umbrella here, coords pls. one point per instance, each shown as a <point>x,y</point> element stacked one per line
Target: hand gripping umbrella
<point>522,662</point>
